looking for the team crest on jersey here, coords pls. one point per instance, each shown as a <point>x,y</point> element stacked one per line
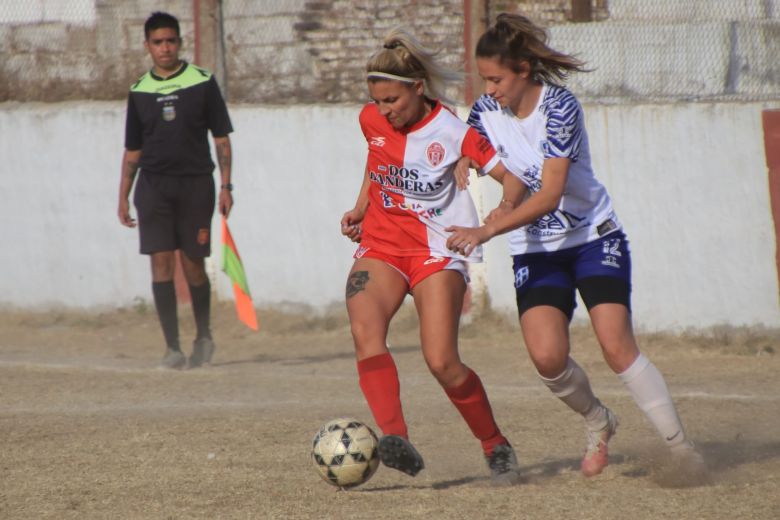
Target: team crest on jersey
<point>521,276</point>
<point>377,141</point>
<point>435,153</point>
<point>169,113</point>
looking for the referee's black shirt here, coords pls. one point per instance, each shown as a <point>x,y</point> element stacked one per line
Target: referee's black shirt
<point>168,119</point>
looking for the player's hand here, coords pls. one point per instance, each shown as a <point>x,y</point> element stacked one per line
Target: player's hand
<point>350,224</point>
<point>124,214</point>
<point>464,240</point>
<point>462,173</point>
<point>504,207</point>
<point>225,202</point>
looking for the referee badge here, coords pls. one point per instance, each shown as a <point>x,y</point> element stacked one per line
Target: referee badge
<point>169,112</point>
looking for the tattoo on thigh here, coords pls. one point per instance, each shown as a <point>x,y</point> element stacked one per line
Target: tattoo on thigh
<point>356,283</point>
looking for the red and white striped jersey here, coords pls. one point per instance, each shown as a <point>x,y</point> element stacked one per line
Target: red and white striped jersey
<point>412,195</point>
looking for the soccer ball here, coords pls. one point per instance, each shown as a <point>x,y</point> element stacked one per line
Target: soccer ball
<point>344,452</point>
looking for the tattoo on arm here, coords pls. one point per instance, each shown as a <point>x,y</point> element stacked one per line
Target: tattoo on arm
<point>356,283</point>
<point>223,156</point>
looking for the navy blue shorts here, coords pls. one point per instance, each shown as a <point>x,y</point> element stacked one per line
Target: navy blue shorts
<point>599,270</point>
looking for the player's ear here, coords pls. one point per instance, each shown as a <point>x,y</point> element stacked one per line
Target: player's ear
<point>419,87</point>
<point>524,69</point>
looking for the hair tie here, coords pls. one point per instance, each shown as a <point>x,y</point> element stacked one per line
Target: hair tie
<point>392,45</point>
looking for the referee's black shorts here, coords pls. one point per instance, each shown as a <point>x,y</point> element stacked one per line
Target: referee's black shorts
<point>174,212</point>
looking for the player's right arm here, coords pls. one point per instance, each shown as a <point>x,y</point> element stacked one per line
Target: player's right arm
<point>478,151</point>
<point>350,222</point>
<point>130,160</point>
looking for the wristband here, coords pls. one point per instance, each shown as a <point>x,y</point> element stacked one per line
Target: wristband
<point>227,186</point>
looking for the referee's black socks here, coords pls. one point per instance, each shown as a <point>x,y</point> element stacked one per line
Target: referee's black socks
<point>201,307</point>
<point>165,303</point>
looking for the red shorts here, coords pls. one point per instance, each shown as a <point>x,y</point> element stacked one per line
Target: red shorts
<point>415,269</point>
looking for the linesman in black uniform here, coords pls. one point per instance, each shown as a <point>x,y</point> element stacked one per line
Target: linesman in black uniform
<point>169,113</point>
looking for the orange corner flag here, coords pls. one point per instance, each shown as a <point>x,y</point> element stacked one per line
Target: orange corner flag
<point>232,266</point>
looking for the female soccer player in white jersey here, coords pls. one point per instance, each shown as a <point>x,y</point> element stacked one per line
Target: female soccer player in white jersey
<point>407,199</point>
<point>564,236</point>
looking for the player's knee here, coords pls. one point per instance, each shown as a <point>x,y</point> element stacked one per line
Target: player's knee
<point>616,337</point>
<point>619,353</point>
<point>549,364</point>
<point>365,331</point>
<point>163,265</point>
<point>196,277</point>
<point>616,341</point>
<point>445,369</point>
<point>194,270</point>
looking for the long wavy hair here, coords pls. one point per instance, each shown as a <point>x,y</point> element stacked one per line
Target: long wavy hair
<point>514,39</point>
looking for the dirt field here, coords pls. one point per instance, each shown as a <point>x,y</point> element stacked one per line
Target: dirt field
<point>91,429</point>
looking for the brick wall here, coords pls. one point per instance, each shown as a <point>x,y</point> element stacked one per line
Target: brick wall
<point>545,12</point>
<point>68,58</point>
<point>276,51</point>
<point>318,52</point>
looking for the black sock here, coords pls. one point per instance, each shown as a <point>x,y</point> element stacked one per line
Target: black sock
<point>165,303</point>
<point>201,307</point>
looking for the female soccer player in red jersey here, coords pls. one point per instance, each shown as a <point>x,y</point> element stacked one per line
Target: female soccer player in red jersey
<point>407,199</point>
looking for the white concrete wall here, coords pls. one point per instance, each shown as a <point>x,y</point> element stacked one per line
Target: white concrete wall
<point>689,183</point>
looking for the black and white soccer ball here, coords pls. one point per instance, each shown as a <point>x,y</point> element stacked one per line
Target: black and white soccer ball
<point>344,452</point>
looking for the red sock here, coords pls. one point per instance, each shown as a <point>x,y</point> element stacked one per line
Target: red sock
<point>382,390</point>
<point>472,402</point>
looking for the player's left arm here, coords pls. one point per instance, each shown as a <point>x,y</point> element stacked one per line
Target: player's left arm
<point>555,172</point>
<point>218,121</point>
<point>225,161</point>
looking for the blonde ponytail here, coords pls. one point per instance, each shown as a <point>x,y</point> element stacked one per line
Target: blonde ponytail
<point>404,57</point>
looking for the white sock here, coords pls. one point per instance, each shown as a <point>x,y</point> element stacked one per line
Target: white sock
<point>573,388</point>
<point>650,392</point>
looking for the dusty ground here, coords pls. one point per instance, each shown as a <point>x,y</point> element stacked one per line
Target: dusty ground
<point>91,429</point>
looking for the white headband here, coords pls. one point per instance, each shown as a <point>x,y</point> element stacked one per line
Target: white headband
<point>386,75</point>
